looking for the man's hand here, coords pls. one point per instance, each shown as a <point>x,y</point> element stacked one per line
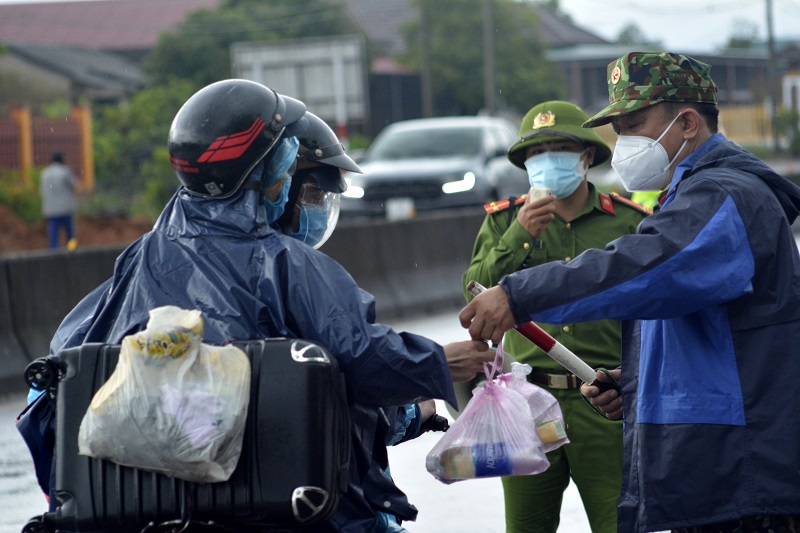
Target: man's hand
<point>430,420</point>
<point>488,316</point>
<point>465,358</point>
<point>536,215</point>
<point>609,402</point>
<point>427,409</point>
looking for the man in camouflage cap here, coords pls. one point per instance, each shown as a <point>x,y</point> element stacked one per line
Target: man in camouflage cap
<point>708,289</point>
<point>517,234</point>
<point>637,80</point>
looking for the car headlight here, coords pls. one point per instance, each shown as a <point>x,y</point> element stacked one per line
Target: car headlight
<point>463,184</point>
<point>353,191</point>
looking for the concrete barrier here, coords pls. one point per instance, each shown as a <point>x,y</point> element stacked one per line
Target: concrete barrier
<point>12,356</point>
<point>44,286</point>
<point>409,266</point>
<point>424,260</point>
<point>355,247</point>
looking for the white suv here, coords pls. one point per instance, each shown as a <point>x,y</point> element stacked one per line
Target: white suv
<point>431,164</point>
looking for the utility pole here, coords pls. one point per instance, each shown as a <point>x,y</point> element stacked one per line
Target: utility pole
<point>489,88</point>
<point>772,78</point>
<point>425,60</point>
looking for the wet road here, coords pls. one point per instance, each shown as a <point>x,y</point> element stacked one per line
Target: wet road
<point>20,496</point>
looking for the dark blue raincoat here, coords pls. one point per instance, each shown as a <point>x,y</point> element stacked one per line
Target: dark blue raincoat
<point>249,282</point>
<point>710,369</point>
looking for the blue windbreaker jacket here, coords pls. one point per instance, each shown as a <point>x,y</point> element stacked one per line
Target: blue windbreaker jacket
<point>711,364</point>
<point>221,257</point>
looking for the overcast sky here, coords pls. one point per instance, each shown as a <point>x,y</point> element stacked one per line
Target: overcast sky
<point>680,25</point>
<point>684,25</point>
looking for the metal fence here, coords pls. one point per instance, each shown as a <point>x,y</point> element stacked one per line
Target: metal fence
<point>28,142</point>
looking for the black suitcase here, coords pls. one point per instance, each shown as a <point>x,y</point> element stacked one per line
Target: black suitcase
<point>291,473</point>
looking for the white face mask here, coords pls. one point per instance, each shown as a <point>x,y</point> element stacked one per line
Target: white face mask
<point>642,163</point>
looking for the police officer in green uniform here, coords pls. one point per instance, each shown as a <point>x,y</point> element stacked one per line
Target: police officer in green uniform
<point>520,233</point>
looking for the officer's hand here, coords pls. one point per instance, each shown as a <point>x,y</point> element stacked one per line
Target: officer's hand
<point>465,358</point>
<point>488,316</point>
<point>609,402</point>
<point>536,215</point>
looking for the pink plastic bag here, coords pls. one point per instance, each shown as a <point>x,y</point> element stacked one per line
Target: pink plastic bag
<point>547,417</point>
<point>493,437</point>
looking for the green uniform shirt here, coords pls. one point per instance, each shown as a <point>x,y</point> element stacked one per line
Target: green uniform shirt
<point>503,247</point>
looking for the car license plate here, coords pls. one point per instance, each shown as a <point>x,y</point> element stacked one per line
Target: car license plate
<point>400,208</point>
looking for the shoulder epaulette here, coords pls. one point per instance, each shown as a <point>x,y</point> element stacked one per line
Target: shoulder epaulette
<point>629,203</point>
<point>502,205</point>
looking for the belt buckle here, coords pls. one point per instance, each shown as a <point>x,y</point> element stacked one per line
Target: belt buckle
<point>557,381</point>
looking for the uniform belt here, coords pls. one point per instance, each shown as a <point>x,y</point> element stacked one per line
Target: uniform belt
<point>555,381</point>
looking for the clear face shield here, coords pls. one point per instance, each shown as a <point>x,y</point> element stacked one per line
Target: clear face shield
<point>316,214</point>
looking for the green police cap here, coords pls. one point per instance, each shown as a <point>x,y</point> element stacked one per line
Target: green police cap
<point>641,79</point>
<point>555,121</point>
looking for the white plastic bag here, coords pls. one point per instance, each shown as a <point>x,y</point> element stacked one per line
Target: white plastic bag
<point>173,405</point>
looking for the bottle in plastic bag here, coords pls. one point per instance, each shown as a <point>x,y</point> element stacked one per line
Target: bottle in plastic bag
<point>547,417</point>
<point>491,438</point>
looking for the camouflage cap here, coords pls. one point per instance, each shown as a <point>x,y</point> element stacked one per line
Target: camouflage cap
<point>555,121</point>
<point>641,79</point>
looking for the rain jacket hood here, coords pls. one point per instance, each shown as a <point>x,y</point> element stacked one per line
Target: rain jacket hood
<point>730,155</point>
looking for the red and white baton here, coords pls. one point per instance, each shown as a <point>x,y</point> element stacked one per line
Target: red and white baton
<point>554,349</point>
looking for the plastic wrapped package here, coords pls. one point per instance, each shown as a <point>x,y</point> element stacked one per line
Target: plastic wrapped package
<point>173,404</point>
<point>492,437</point>
<point>547,417</point>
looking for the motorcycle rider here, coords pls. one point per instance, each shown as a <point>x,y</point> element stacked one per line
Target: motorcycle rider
<point>232,146</point>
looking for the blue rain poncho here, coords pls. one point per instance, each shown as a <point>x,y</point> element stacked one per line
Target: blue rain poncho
<point>222,258</point>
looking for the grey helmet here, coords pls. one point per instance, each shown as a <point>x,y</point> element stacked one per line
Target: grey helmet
<point>321,148</point>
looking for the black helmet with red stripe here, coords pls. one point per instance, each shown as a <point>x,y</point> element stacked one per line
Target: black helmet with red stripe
<point>222,131</point>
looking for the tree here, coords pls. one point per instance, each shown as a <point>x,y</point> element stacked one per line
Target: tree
<point>199,50</point>
<point>554,7</point>
<point>631,34</point>
<point>744,34</point>
<point>127,139</point>
<point>134,175</point>
<point>523,75</point>
<point>788,124</point>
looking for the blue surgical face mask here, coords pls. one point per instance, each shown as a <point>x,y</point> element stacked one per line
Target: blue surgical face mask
<point>280,160</point>
<point>561,172</point>
<point>318,214</point>
<point>278,166</point>
<point>313,224</point>
<point>275,209</point>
